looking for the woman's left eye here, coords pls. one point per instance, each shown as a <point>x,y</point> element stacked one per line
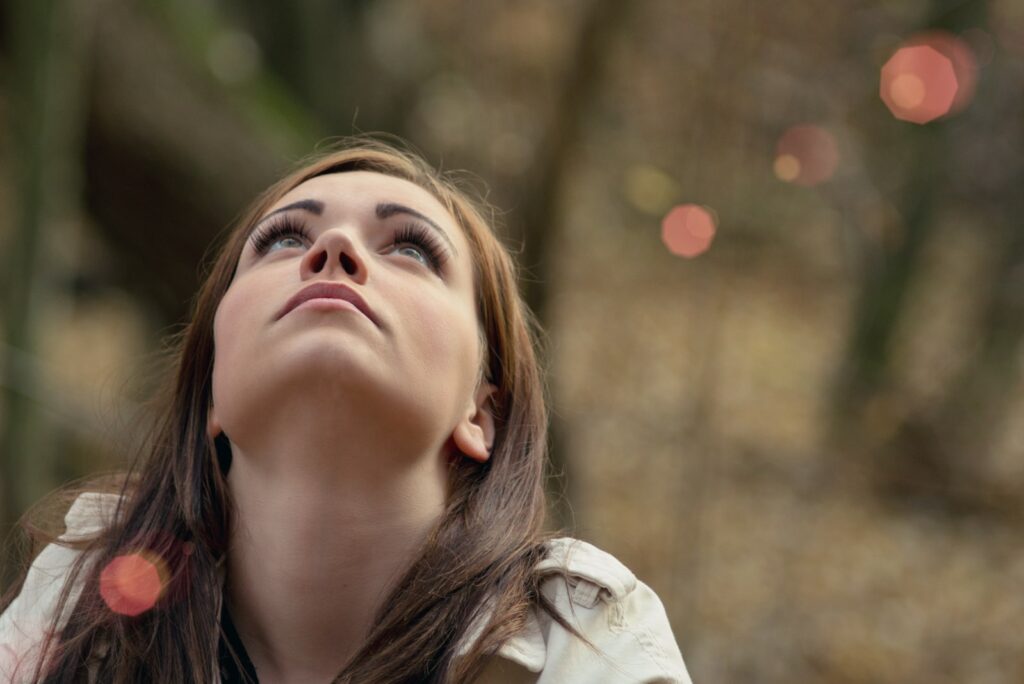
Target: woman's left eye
<point>414,236</point>
<point>295,242</point>
<point>417,250</point>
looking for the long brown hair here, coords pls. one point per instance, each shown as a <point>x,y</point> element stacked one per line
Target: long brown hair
<point>175,502</point>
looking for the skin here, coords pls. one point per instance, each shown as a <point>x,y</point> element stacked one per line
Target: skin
<point>341,430</point>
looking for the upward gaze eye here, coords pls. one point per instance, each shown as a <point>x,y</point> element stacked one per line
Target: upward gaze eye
<point>295,242</point>
<point>413,235</point>
<point>285,232</point>
<point>417,251</point>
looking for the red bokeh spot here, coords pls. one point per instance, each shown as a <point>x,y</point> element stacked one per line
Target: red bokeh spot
<point>806,155</point>
<point>932,74</point>
<point>687,230</point>
<point>131,584</point>
<point>963,58</point>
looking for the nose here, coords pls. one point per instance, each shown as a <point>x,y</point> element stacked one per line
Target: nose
<point>334,252</point>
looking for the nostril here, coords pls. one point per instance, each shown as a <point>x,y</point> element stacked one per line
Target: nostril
<point>319,261</point>
<point>347,263</point>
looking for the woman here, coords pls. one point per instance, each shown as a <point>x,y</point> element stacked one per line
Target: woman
<point>346,482</point>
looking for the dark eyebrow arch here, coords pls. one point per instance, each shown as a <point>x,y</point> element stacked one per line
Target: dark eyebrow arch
<point>386,209</point>
<point>310,205</point>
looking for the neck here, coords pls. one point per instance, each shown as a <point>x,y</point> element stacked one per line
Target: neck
<point>313,555</point>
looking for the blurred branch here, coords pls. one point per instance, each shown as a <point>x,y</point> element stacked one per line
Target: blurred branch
<point>940,455</point>
<point>541,214</point>
<point>953,441</point>
<point>885,281</point>
<point>933,455</point>
<point>889,266</point>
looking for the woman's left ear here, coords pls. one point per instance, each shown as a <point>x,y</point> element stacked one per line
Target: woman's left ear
<point>213,427</point>
<point>474,435</point>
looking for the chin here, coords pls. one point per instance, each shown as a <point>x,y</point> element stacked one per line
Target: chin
<point>329,369</point>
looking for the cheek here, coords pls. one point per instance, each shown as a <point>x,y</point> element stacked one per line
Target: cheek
<point>221,349</point>
<point>463,321</point>
<point>228,332</point>
<point>450,341</point>
<point>240,303</point>
<point>223,322</point>
<point>436,331</point>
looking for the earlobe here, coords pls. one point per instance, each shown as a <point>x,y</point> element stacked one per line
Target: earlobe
<point>221,443</point>
<point>213,427</point>
<point>474,435</point>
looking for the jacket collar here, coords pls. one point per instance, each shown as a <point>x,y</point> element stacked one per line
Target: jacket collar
<point>527,647</point>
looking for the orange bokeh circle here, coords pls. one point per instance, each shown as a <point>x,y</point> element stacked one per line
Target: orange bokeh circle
<point>688,230</point>
<point>131,584</point>
<point>931,75</point>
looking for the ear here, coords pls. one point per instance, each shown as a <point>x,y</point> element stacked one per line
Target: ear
<point>474,435</point>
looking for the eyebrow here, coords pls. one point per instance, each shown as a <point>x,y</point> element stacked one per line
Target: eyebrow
<point>384,210</point>
<point>310,205</point>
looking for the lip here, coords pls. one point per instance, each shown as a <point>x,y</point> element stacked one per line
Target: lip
<point>326,290</point>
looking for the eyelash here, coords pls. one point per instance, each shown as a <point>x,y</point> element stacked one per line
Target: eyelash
<point>410,233</point>
<point>274,231</point>
<point>415,234</point>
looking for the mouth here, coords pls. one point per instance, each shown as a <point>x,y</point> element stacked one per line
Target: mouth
<point>329,290</point>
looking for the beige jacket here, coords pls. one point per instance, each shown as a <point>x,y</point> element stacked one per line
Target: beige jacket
<point>605,601</point>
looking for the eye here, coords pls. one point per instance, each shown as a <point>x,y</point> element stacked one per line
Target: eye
<point>416,250</point>
<point>421,241</point>
<point>282,233</point>
<point>295,242</point>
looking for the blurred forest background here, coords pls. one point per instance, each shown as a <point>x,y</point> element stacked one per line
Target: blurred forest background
<point>777,248</point>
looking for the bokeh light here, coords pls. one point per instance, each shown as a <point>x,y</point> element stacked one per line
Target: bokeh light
<point>931,75</point>
<point>688,230</point>
<point>806,155</point>
<point>963,57</point>
<point>649,189</point>
<point>131,584</point>
<point>234,57</point>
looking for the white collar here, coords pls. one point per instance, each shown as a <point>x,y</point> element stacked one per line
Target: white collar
<point>526,647</point>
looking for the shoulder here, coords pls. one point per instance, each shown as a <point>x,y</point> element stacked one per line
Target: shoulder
<point>590,570</point>
<point>616,611</point>
<point>28,619</point>
<point>619,614</point>
<point>90,513</point>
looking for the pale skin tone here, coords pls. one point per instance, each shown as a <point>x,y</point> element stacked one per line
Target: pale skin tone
<point>340,428</point>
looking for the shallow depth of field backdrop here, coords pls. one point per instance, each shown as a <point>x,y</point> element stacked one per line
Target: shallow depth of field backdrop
<point>777,248</point>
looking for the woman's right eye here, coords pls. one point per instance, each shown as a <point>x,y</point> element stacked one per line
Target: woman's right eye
<point>282,234</point>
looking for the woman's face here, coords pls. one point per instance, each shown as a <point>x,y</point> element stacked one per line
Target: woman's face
<point>409,361</point>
